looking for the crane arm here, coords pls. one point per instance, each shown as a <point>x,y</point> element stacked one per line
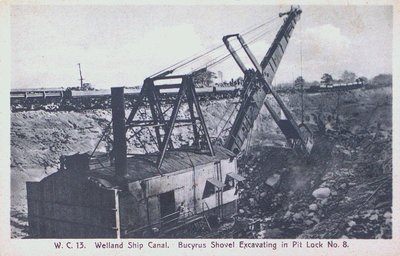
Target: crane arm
<point>257,85</point>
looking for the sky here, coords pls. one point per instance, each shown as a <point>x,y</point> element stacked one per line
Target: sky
<point>122,45</point>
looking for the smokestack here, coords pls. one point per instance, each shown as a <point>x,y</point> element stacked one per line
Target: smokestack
<point>119,131</point>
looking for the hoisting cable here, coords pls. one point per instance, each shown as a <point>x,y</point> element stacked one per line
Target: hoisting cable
<point>169,67</point>
<point>224,57</point>
<point>227,121</point>
<point>224,114</point>
<point>222,45</point>
<point>253,40</point>
<point>259,26</point>
<point>191,59</point>
<point>108,127</point>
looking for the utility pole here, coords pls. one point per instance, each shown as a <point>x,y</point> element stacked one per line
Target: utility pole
<point>302,100</point>
<point>338,108</point>
<point>80,74</point>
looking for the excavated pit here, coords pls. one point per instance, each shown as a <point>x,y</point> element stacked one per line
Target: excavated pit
<point>352,158</point>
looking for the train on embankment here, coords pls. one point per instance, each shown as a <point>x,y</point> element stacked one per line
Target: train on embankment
<point>330,87</point>
<point>71,99</point>
<point>54,99</point>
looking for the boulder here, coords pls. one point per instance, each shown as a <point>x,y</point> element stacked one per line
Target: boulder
<point>315,219</point>
<point>287,214</point>
<point>267,219</point>
<point>262,234</point>
<point>324,201</point>
<point>309,222</point>
<point>313,207</point>
<point>373,217</point>
<point>273,233</point>
<point>351,223</point>
<point>297,216</point>
<point>321,193</point>
<point>252,202</point>
<point>274,180</point>
<point>387,215</point>
<point>346,152</point>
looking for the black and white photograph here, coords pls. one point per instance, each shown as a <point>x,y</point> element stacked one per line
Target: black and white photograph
<point>190,121</point>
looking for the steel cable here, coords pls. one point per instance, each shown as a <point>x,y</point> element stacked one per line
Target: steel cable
<point>191,59</point>
<point>224,57</point>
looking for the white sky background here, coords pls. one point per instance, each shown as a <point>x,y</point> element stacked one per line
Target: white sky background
<point>122,45</point>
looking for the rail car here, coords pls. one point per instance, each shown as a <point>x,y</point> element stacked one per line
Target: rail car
<point>335,87</point>
<point>97,93</point>
<point>171,91</point>
<point>69,99</point>
<point>68,93</point>
<point>37,93</point>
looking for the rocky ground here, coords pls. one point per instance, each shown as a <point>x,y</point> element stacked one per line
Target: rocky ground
<point>335,194</point>
<point>343,190</point>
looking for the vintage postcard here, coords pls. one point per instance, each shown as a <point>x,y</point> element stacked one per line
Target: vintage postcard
<point>220,128</point>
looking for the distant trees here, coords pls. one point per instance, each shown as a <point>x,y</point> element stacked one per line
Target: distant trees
<point>204,78</point>
<point>382,80</point>
<point>84,87</point>
<point>348,77</point>
<point>299,82</point>
<point>363,79</point>
<point>326,79</point>
<point>87,87</point>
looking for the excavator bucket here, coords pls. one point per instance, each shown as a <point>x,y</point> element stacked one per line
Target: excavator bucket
<point>300,139</point>
<point>308,138</point>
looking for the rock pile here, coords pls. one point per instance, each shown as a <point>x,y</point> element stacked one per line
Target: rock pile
<point>340,197</point>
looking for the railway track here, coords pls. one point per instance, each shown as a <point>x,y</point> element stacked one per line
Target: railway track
<point>58,99</point>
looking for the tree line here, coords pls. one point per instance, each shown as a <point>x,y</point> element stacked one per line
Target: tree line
<point>380,80</point>
<point>206,78</point>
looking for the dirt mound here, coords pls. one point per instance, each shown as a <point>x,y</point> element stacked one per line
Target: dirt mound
<point>38,138</point>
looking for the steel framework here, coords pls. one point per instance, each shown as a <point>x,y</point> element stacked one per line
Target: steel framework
<point>162,123</point>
